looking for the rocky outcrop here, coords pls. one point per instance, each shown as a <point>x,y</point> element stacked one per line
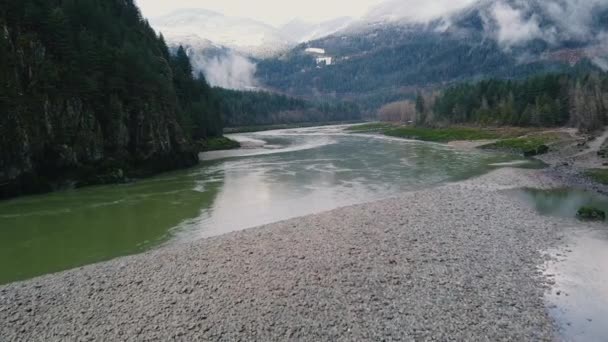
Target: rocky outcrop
<point>52,139</point>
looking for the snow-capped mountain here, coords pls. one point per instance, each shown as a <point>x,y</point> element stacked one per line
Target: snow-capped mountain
<point>394,49</point>
<point>404,43</point>
<point>246,36</point>
<point>414,10</point>
<point>241,34</point>
<point>301,31</point>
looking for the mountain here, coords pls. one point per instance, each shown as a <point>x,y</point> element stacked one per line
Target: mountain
<point>243,35</point>
<point>301,31</point>
<point>224,48</point>
<point>413,10</point>
<point>382,58</point>
<point>90,94</point>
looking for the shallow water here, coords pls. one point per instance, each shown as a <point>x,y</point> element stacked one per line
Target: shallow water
<point>563,202</point>
<point>283,174</point>
<point>578,300</point>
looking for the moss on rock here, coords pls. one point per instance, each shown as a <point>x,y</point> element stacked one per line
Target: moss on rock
<point>591,214</point>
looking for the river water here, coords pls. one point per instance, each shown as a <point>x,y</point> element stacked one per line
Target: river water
<point>282,174</point>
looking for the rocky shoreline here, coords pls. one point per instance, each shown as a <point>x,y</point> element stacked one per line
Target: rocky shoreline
<point>458,262</point>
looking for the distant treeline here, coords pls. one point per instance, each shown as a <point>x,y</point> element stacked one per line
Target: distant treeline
<point>547,101</point>
<point>250,108</point>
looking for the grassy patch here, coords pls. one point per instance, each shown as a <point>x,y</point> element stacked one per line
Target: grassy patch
<point>598,175</point>
<point>591,214</point>
<point>528,146</point>
<point>442,134</point>
<point>217,144</point>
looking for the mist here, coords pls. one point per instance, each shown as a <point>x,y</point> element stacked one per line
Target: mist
<point>227,70</point>
<point>517,22</point>
<point>415,10</point>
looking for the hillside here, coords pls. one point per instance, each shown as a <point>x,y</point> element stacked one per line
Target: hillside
<point>382,60</point>
<point>90,94</point>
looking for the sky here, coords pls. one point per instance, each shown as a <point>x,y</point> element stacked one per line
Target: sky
<point>273,12</point>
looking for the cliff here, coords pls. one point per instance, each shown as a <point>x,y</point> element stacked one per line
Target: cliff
<point>89,94</point>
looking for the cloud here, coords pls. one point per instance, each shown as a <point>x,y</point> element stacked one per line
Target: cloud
<point>599,52</point>
<point>415,10</point>
<point>513,27</point>
<point>227,70</point>
<point>574,18</point>
<point>517,22</point>
<point>553,21</point>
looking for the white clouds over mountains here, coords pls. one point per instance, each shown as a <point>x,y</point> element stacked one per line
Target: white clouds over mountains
<point>553,21</point>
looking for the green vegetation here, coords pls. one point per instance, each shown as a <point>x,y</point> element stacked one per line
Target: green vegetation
<point>598,175</point>
<point>387,65</point>
<point>89,83</point>
<point>217,144</point>
<point>441,134</point>
<point>591,214</point>
<point>510,138</point>
<point>455,133</point>
<point>540,101</point>
<point>251,108</point>
<point>529,146</point>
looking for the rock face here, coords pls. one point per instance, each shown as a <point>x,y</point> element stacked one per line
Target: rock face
<point>54,141</point>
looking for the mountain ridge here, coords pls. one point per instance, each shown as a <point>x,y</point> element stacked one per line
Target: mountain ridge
<point>475,42</point>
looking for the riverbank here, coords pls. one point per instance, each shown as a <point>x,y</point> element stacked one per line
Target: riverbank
<point>577,159</point>
<point>460,261</point>
<point>111,171</point>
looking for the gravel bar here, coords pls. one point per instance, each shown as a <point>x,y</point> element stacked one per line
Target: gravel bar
<point>453,263</point>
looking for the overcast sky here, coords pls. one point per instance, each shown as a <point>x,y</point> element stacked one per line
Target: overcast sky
<point>273,12</point>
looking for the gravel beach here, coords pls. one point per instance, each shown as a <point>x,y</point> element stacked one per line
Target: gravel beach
<point>456,262</point>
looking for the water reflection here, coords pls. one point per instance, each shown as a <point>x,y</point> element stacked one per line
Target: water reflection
<point>578,300</point>
<point>563,202</point>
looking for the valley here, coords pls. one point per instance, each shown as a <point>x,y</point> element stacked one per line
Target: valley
<point>370,170</point>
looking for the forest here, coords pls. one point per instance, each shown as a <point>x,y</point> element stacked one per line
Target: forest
<point>241,108</point>
<point>542,101</point>
<point>89,92</point>
<point>385,63</point>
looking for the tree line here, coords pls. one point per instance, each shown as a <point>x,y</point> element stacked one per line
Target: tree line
<point>250,108</point>
<point>543,101</point>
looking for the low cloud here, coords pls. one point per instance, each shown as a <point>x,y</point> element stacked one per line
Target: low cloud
<point>513,27</point>
<point>517,22</point>
<point>227,70</point>
<point>553,21</point>
<point>599,52</point>
<point>415,10</point>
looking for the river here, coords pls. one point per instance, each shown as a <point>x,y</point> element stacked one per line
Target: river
<point>280,175</point>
